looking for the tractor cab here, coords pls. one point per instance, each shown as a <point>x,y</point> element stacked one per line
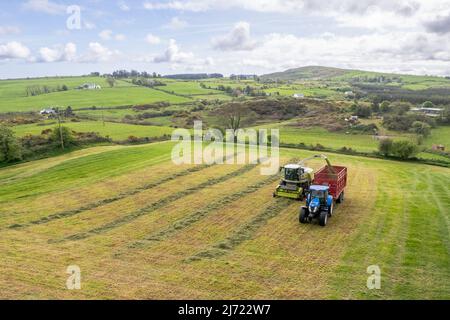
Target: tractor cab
<point>319,205</point>
<point>319,194</point>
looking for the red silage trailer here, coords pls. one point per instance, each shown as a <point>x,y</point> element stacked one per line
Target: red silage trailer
<point>335,177</point>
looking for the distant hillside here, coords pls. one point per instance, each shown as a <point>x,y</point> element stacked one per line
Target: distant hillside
<point>311,72</point>
<point>324,73</point>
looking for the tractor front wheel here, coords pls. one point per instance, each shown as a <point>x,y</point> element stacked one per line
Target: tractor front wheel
<point>331,209</point>
<point>303,217</point>
<point>323,218</point>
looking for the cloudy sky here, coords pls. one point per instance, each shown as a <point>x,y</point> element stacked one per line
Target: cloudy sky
<point>49,37</point>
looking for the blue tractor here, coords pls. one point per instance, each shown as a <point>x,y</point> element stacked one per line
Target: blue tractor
<point>319,205</point>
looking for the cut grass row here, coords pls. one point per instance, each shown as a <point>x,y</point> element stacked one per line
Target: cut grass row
<point>200,214</point>
<point>244,232</point>
<point>102,202</point>
<point>156,205</point>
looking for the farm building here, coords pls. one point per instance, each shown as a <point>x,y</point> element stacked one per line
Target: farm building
<point>431,112</point>
<point>438,147</point>
<point>47,111</point>
<point>90,86</point>
<point>349,94</point>
<point>298,95</point>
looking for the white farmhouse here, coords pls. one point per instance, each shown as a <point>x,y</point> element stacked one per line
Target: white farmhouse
<point>90,86</point>
<point>47,111</point>
<point>298,95</point>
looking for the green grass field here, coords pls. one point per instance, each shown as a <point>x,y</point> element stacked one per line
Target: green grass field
<point>116,131</point>
<point>412,82</point>
<point>187,88</point>
<point>17,88</point>
<point>439,135</point>
<point>14,97</point>
<point>121,215</point>
<point>305,90</point>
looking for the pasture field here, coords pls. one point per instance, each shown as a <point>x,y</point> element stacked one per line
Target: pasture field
<point>317,135</point>
<point>125,95</point>
<point>140,227</point>
<point>358,142</point>
<point>116,131</point>
<point>412,82</point>
<point>307,91</point>
<point>439,135</point>
<point>17,88</point>
<point>189,88</point>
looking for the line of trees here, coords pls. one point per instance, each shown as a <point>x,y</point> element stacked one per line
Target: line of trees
<point>122,74</point>
<point>380,92</point>
<point>38,90</point>
<point>247,90</point>
<point>150,83</point>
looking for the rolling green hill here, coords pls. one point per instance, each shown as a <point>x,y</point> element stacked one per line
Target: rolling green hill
<point>412,82</point>
<point>307,73</point>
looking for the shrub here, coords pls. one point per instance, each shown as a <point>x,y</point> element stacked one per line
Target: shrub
<point>10,148</point>
<point>65,134</point>
<point>404,122</point>
<point>363,111</point>
<point>385,106</point>
<point>365,128</point>
<point>404,149</point>
<point>385,147</point>
<point>421,128</point>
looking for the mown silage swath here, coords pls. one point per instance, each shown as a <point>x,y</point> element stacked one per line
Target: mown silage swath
<point>155,206</point>
<point>106,201</point>
<point>243,233</point>
<point>196,216</point>
<point>200,214</point>
<point>93,205</point>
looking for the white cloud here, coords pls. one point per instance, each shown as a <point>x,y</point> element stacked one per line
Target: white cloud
<point>4,30</point>
<point>237,39</point>
<point>45,6</point>
<point>400,51</point>
<point>176,24</point>
<point>58,53</point>
<point>98,53</point>
<point>152,39</point>
<point>14,50</point>
<point>109,35</point>
<point>106,34</point>
<point>404,7</point>
<point>120,37</point>
<point>123,6</point>
<point>369,14</point>
<point>88,25</point>
<point>173,54</point>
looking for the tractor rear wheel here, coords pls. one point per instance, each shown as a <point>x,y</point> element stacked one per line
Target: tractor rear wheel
<point>341,198</point>
<point>323,218</point>
<point>303,216</point>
